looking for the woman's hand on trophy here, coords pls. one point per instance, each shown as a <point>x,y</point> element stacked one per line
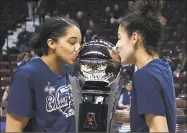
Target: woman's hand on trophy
<point>81,47</point>
<point>114,54</point>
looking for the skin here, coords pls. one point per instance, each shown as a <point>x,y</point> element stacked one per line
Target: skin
<point>130,50</point>
<point>108,9</point>
<point>91,23</point>
<point>64,50</point>
<point>33,53</point>
<point>181,56</point>
<point>129,87</point>
<point>26,58</point>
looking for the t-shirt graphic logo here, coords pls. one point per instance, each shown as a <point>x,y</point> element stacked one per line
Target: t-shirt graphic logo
<point>50,89</point>
<point>90,121</point>
<point>60,99</point>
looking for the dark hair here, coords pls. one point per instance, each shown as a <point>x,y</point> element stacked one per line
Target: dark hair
<point>92,19</point>
<point>144,19</point>
<point>53,28</point>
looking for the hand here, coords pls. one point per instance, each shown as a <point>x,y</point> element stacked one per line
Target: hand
<point>114,54</point>
<point>126,107</point>
<point>126,111</point>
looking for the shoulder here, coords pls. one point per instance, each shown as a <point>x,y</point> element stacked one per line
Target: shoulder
<point>27,70</point>
<point>142,73</point>
<point>144,79</point>
<point>155,69</point>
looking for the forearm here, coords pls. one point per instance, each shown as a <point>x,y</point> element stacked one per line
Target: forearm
<point>4,104</point>
<point>120,104</point>
<point>4,98</point>
<point>156,123</point>
<point>158,130</point>
<point>15,123</point>
<point>13,129</point>
<point>13,126</point>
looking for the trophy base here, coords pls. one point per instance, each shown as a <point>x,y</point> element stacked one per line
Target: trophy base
<point>93,117</point>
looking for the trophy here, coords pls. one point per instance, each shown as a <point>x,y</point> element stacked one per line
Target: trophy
<point>95,87</point>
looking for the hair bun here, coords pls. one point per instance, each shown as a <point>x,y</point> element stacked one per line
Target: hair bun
<point>149,7</point>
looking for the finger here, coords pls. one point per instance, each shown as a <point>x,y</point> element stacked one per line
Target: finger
<point>113,50</point>
<point>81,47</point>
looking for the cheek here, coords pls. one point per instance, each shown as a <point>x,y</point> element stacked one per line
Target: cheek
<point>124,46</point>
<point>126,51</point>
<point>66,49</point>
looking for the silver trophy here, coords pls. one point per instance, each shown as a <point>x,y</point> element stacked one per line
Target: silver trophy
<point>95,87</point>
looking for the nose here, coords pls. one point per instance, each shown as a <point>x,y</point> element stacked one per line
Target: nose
<point>117,47</point>
<point>77,47</point>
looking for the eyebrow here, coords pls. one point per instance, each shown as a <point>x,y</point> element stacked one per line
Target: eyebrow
<point>72,38</point>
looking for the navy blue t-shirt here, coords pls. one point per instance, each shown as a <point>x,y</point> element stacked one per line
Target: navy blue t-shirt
<point>126,98</point>
<point>153,93</point>
<point>43,96</point>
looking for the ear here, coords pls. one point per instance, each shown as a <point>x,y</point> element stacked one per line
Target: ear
<point>134,37</point>
<point>51,43</point>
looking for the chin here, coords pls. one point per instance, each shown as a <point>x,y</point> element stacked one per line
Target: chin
<point>125,62</point>
<point>71,62</point>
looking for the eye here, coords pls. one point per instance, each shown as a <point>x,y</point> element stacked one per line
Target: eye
<point>72,42</point>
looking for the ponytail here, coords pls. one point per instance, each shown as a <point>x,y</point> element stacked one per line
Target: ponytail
<point>36,44</point>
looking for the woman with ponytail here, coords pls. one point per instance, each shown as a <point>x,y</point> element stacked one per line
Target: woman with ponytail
<point>153,107</point>
<point>40,98</point>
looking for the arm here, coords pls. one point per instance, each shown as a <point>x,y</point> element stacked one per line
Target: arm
<point>37,7</point>
<point>5,96</point>
<point>120,103</point>
<point>15,123</point>
<point>183,65</point>
<point>4,104</point>
<point>156,123</point>
<point>20,102</point>
<point>149,102</point>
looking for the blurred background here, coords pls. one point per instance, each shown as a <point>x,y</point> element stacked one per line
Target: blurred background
<point>20,19</point>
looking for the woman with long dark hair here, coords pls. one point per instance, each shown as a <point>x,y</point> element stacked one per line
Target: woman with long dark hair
<point>40,96</point>
<point>153,107</point>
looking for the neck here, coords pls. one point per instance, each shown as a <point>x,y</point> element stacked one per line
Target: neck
<point>53,63</point>
<point>143,58</point>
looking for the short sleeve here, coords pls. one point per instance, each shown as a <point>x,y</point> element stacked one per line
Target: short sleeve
<point>149,100</point>
<point>20,96</point>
